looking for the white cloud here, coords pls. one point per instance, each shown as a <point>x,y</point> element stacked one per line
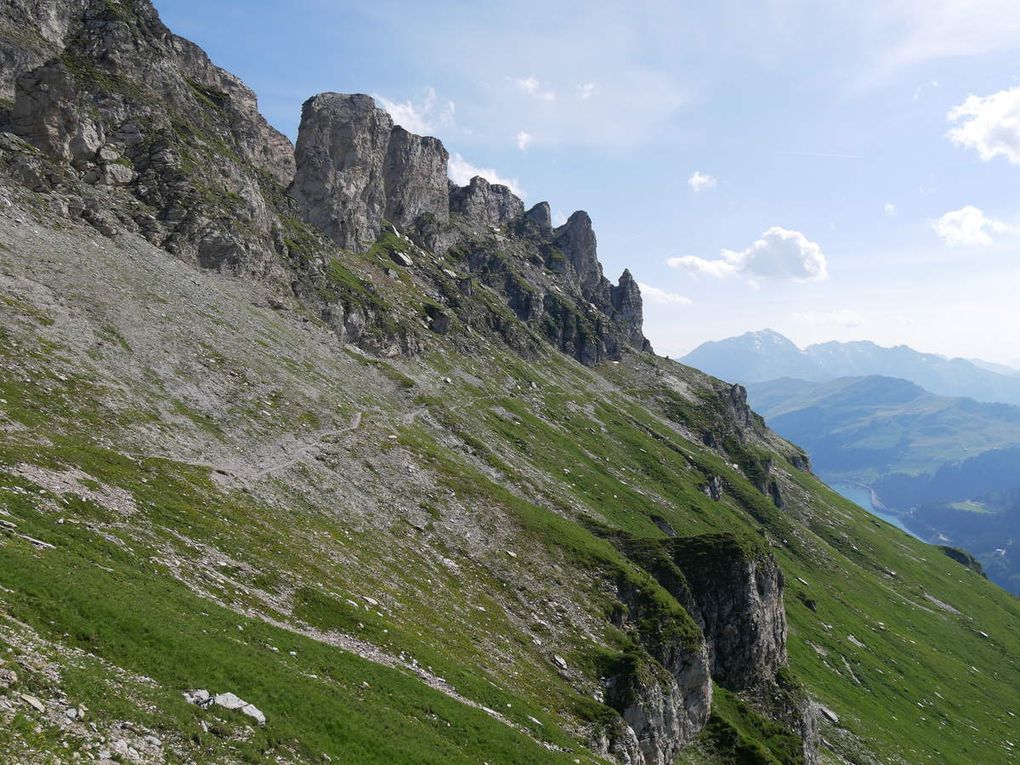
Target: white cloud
<point>523,140</point>
<point>889,209</point>
<point>533,88</point>
<point>845,318</point>
<point>559,218</point>
<point>989,124</point>
<point>778,254</point>
<point>969,227</point>
<point>586,90</point>
<point>700,181</point>
<point>461,172</point>
<point>661,296</point>
<point>424,117</point>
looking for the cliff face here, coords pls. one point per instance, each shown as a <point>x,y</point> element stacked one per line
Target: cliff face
<point>115,101</point>
<point>738,593</point>
<point>355,170</point>
<point>341,154</point>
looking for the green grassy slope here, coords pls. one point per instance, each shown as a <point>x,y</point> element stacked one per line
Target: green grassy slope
<point>220,480</point>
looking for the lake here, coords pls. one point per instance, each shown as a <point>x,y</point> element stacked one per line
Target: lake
<point>861,495</point>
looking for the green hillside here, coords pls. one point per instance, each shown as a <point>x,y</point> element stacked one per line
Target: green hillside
<point>445,528</point>
<point>310,455</point>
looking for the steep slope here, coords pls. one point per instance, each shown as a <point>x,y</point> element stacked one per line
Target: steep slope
<point>763,356</point>
<point>432,501</point>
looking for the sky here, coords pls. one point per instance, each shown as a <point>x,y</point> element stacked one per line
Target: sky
<point>835,170</point>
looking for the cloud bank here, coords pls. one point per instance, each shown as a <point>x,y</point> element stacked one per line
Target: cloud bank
<point>661,296</point>
<point>779,254</point>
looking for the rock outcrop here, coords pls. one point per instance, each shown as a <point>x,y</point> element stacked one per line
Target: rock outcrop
<point>575,239</point>
<point>485,204</point>
<point>340,158</point>
<point>738,591</point>
<point>113,100</point>
<point>663,689</point>
<point>416,179</point>
<point>627,312</point>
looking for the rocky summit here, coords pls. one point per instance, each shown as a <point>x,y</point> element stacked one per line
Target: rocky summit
<point>310,455</point>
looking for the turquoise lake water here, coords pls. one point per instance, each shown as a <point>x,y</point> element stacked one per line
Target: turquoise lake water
<point>861,495</point>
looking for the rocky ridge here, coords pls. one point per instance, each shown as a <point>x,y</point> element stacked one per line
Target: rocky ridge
<point>119,127</point>
<point>138,131</point>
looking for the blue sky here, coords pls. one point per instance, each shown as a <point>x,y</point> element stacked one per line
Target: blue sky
<point>832,170</point>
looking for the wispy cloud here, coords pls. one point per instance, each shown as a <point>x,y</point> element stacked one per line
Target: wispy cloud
<point>524,140</point>
<point>425,116</point>
<point>779,254</point>
<point>700,181</point>
<point>661,296</point>
<point>586,90</point>
<point>842,317</point>
<point>889,209</point>
<point>929,30</point>
<point>533,88</point>
<point>461,172</point>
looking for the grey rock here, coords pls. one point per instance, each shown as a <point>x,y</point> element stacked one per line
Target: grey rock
<point>48,113</point>
<point>415,179</point>
<point>33,702</point>
<point>627,312</point>
<point>340,157</point>
<point>229,701</point>
<point>664,697</point>
<point>233,702</point>
<point>485,204</point>
<point>199,697</point>
<point>576,240</point>
<point>828,714</point>
<point>401,259</point>
<point>41,29</point>
<point>8,678</point>
<point>540,216</point>
<point>738,589</point>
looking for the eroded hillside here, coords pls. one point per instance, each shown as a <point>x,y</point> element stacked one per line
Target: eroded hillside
<point>396,467</point>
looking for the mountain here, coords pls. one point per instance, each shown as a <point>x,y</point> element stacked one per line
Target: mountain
<point>859,428</point>
<point>309,455</point>
<point>942,465</point>
<point>766,355</point>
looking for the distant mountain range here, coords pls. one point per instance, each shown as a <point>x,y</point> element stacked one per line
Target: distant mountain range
<point>861,428</point>
<point>767,355</point>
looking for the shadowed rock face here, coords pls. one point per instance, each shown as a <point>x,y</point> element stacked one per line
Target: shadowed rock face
<point>340,156</point>
<point>663,692</point>
<point>415,178</point>
<point>738,590</point>
<point>576,240</point>
<point>627,311</point>
<point>484,203</point>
